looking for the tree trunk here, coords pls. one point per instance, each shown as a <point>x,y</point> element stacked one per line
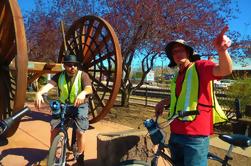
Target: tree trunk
<point>125,97</point>
<point>113,148</point>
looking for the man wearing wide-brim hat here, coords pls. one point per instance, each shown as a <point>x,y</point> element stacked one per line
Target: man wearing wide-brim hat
<point>73,87</point>
<point>192,89</point>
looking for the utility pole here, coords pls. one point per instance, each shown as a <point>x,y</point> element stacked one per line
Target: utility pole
<point>162,67</point>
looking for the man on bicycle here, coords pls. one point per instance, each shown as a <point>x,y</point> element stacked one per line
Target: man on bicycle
<point>192,89</point>
<point>73,86</point>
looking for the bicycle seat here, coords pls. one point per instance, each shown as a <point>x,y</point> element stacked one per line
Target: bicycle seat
<point>236,140</point>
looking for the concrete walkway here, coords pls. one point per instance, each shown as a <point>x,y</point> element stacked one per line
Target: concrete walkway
<point>30,143</point>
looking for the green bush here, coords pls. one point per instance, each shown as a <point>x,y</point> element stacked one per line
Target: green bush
<point>241,89</point>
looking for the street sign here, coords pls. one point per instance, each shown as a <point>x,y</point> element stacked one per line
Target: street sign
<point>150,76</point>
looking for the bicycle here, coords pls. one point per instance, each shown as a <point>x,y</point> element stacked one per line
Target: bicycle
<point>57,151</point>
<point>157,137</point>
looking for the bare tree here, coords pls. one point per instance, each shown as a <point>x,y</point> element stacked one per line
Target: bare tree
<point>43,25</point>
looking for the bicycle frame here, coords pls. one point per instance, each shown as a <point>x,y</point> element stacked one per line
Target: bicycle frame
<point>63,129</point>
<point>160,153</point>
<point>227,157</point>
<point>162,145</point>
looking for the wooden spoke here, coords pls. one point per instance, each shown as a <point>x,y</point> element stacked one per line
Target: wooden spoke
<point>100,84</point>
<point>101,59</point>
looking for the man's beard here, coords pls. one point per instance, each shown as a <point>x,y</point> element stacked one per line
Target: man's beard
<point>71,73</point>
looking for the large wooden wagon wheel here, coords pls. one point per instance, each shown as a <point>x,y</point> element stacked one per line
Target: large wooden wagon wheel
<point>13,49</point>
<point>95,44</point>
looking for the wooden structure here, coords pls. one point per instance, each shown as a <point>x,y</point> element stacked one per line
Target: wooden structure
<point>90,38</point>
<point>12,48</point>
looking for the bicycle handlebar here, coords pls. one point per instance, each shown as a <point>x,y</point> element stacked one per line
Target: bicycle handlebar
<point>52,102</point>
<point>6,124</point>
<point>182,114</point>
<point>60,109</point>
<point>55,104</point>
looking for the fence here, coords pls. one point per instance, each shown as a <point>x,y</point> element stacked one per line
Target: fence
<point>147,92</point>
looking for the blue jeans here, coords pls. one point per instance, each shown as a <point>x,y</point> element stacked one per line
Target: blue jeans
<point>189,150</point>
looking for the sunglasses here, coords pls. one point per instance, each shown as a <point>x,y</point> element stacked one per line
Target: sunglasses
<point>70,64</point>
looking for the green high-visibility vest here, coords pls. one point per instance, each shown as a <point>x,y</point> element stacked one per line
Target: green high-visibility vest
<point>218,114</point>
<point>75,89</point>
<point>188,98</point>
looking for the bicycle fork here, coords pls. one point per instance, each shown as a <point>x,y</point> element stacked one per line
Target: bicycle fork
<point>159,153</point>
<point>74,146</point>
<point>228,156</point>
<point>154,161</point>
<point>66,142</point>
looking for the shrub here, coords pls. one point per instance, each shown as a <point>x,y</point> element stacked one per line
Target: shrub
<point>241,89</point>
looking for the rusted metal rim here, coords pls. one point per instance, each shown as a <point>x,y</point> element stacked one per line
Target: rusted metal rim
<point>13,49</point>
<point>96,45</point>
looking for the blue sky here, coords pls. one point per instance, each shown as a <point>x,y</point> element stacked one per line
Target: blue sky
<point>26,5</point>
<point>241,24</point>
<point>243,21</point>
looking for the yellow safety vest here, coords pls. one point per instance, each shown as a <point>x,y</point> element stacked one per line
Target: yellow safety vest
<point>64,89</point>
<point>188,98</point>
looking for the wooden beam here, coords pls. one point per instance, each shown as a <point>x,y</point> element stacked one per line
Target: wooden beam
<point>41,66</point>
<point>46,67</point>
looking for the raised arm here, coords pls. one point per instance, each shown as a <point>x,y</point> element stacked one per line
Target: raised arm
<point>222,43</point>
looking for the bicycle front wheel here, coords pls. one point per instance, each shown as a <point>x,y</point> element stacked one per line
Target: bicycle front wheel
<point>133,163</point>
<point>57,152</point>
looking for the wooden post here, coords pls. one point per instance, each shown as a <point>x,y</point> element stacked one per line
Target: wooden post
<point>248,111</point>
<point>146,96</point>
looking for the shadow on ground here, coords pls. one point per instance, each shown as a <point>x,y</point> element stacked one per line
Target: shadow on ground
<point>92,162</point>
<point>34,115</point>
<point>30,154</point>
